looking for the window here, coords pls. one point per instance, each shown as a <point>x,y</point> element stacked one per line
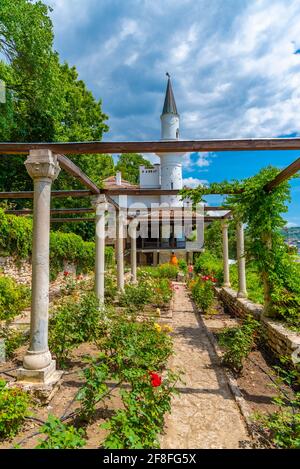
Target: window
<point>177,133</point>
<point>172,185</point>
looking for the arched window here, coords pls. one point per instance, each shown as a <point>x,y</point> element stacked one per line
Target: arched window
<point>177,133</point>
<point>172,185</point>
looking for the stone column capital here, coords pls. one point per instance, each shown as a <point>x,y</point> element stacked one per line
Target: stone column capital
<point>99,202</point>
<point>42,164</point>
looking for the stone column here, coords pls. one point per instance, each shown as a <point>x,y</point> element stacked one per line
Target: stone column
<point>38,365</point>
<point>133,226</point>
<point>226,282</point>
<point>120,249</point>
<point>242,292</point>
<point>155,258</point>
<point>100,204</point>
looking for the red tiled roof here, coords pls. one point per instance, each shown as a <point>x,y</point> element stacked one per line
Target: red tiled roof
<point>110,183</point>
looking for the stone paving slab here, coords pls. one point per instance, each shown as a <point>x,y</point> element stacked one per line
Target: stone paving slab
<point>204,414</point>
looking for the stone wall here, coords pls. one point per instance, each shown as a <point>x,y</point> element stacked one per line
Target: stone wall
<point>20,271</point>
<point>240,307</point>
<point>280,340</point>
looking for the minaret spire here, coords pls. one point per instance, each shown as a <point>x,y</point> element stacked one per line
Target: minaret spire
<point>169,104</point>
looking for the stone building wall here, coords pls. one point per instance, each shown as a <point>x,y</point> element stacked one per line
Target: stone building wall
<point>280,340</point>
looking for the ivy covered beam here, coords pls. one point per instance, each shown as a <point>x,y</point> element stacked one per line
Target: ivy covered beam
<point>29,194</point>
<point>248,144</point>
<point>285,174</point>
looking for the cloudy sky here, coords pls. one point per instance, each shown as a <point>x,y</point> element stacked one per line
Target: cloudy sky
<point>235,68</point>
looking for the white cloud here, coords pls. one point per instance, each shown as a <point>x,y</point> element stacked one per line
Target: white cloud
<point>203,159</point>
<point>194,182</point>
<point>291,224</point>
<point>234,70</point>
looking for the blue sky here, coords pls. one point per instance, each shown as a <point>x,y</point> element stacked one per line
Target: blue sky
<point>235,67</point>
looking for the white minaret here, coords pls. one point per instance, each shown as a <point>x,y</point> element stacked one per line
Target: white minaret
<point>171,166</point>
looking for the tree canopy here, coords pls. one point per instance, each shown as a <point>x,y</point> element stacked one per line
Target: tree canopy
<point>129,164</point>
<point>45,99</point>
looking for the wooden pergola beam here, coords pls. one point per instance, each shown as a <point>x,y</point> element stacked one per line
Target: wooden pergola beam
<point>72,220</point>
<point>147,192</point>
<point>285,174</point>
<point>29,194</point>
<point>68,165</point>
<point>248,144</point>
<point>77,219</point>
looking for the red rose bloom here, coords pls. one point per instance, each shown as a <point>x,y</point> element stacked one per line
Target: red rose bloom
<point>155,379</point>
<point>66,273</point>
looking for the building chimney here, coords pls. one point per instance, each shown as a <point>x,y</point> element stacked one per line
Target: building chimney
<point>118,178</point>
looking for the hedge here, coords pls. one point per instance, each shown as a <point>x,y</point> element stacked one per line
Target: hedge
<point>16,240</point>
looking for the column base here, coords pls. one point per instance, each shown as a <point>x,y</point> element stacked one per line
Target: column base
<point>42,383</point>
<point>227,285</point>
<point>242,294</point>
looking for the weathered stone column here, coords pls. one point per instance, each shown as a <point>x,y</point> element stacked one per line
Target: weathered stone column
<point>120,249</point>
<point>100,204</point>
<point>242,292</point>
<point>38,365</point>
<point>155,258</point>
<point>226,282</point>
<point>133,227</point>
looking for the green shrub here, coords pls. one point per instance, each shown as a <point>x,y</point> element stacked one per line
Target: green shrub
<point>168,271</point>
<point>209,264</point>
<point>282,427</point>
<point>137,425</point>
<point>15,235</point>
<point>74,323</point>
<point>14,298</point>
<point>253,280</point>
<point>110,287</point>
<point>238,343</point>
<point>14,405</point>
<point>162,292</point>
<point>13,340</point>
<point>60,436</point>
<point>136,295</point>
<point>182,265</point>
<point>202,293</point>
<point>161,271</point>
<point>16,240</point>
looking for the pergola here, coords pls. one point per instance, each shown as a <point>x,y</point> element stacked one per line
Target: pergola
<point>43,163</point>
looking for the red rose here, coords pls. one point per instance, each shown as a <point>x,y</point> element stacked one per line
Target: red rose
<point>155,379</point>
<point>66,273</point>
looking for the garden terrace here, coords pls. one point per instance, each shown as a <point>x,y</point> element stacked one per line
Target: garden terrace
<point>44,162</point>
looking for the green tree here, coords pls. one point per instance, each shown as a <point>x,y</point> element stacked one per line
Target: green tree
<point>45,101</point>
<point>129,164</point>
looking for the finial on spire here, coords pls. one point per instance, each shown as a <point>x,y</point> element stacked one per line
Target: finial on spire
<point>168,75</point>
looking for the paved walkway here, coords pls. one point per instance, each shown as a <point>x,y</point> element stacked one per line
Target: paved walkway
<point>204,414</point>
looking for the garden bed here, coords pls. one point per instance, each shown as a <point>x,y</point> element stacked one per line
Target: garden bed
<point>60,404</point>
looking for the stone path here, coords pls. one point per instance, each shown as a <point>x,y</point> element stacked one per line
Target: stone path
<point>204,414</point>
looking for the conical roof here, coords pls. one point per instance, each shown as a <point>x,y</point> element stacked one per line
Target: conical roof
<point>169,104</point>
